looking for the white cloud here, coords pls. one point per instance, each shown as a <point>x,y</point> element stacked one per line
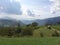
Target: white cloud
<point>39,12</point>
<point>10,7</point>
<point>55,6</point>
<point>1,7</point>
<point>51,0</point>
<point>17,0</point>
<point>17,17</point>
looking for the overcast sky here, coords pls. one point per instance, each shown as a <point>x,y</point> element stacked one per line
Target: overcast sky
<point>29,9</point>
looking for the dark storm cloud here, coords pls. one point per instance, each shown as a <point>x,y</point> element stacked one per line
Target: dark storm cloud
<point>10,7</point>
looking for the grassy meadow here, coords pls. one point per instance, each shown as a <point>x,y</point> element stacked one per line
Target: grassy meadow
<point>30,41</point>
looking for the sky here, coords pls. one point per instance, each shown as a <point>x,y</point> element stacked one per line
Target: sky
<point>29,9</point>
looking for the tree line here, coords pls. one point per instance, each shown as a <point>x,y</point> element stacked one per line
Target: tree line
<point>21,31</point>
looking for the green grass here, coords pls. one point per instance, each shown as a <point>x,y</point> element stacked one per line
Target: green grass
<point>35,39</point>
<point>56,27</point>
<point>44,30</point>
<point>30,41</point>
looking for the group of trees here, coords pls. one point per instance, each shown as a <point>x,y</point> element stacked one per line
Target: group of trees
<point>21,31</point>
<point>18,31</point>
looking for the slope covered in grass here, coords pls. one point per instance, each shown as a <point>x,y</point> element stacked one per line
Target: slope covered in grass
<point>46,32</point>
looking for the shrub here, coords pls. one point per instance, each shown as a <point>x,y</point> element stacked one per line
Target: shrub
<point>34,24</point>
<point>27,32</point>
<point>41,34</point>
<point>56,34</point>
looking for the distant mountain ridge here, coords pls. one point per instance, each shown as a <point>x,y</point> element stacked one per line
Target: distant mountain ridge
<point>52,20</point>
<point>10,22</point>
<point>13,22</point>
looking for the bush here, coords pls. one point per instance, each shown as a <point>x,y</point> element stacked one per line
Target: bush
<point>34,24</point>
<point>41,34</point>
<point>55,34</point>
<point>27,32</point>
<point>19,30</point>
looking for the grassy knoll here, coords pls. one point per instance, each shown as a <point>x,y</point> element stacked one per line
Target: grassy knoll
<point>46,32</point>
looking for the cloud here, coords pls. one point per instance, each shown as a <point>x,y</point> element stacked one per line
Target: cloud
<point>10,7</point>
<point>30,13</point>
<point>55,6</point>
<point>17,17</point>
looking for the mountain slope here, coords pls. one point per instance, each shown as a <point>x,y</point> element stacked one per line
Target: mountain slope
<point>13,22</point>
<point>52,20</point>
<point>10,22</point>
